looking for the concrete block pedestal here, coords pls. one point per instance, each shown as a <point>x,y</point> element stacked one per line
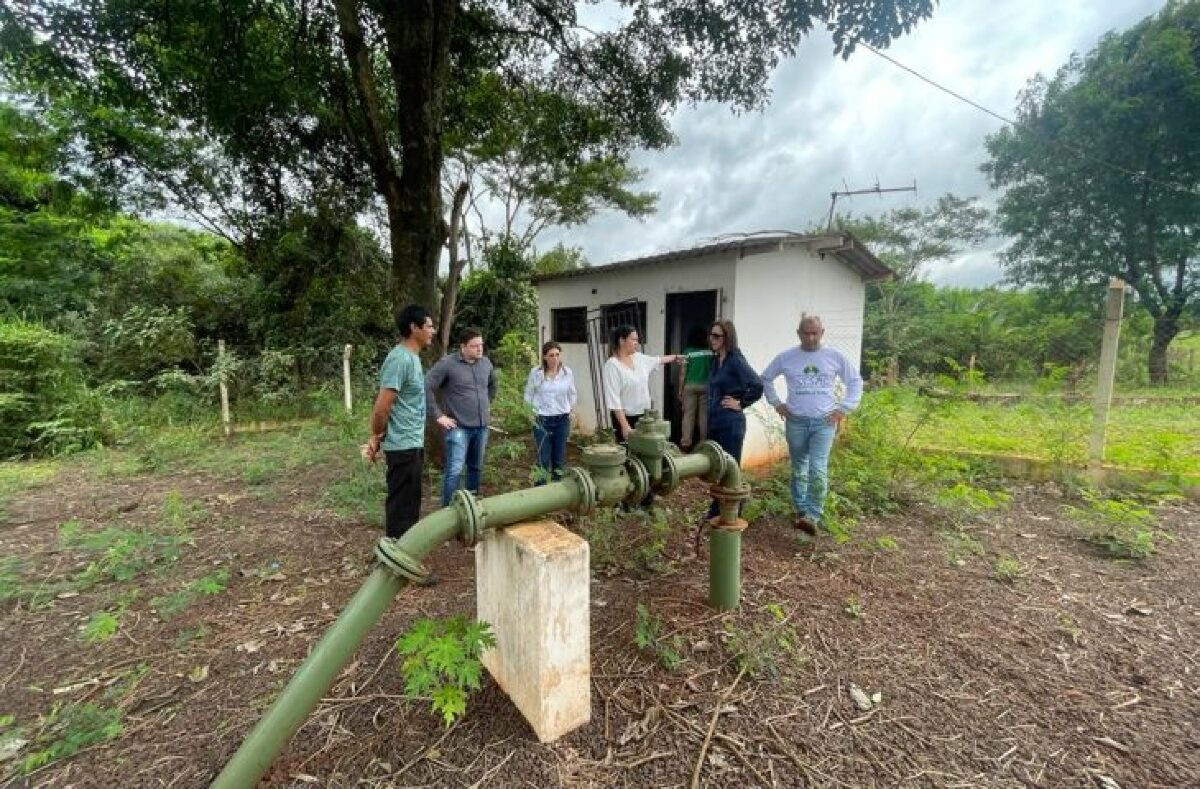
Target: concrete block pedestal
<point>532,587</point>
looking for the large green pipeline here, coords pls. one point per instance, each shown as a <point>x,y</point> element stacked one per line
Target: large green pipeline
<point>609,477</point>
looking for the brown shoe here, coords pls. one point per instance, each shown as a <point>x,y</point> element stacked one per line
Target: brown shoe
<point>806,526</point>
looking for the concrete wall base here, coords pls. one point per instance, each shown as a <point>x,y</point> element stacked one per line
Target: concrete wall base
<point>532,586</point>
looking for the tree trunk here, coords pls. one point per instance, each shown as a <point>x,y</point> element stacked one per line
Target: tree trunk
<point>418,43</point>
<point>450,292</point>
<point>1166,327</point>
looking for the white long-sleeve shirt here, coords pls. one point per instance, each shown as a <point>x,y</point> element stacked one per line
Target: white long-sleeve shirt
<point>551,396</point>
<point>810,377</point>
<point>629,390</point>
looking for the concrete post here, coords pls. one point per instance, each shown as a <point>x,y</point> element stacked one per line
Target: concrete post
<point>225,421</point>
<point>532,587</point>
<point>349,349</point>
<point>1113,306</point>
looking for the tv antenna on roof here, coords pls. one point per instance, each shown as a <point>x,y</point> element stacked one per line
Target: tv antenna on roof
<point>874,190</point>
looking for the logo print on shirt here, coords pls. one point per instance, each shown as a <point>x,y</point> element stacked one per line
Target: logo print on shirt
<point>810,369</point>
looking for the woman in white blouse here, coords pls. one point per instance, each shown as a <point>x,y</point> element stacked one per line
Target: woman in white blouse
<point>627,380</point>
<point>550,389</point>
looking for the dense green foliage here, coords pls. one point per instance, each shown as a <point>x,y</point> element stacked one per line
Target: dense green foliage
<point>1102,172</point>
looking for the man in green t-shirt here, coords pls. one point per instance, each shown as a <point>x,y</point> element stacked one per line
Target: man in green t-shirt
<point>693,388</point>
<point>398,419</point>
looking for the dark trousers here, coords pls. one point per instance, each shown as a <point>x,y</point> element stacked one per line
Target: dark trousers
<point>550,437</point>
<point>403,507</point>
<point>632,420</point>
<point>730,433</point>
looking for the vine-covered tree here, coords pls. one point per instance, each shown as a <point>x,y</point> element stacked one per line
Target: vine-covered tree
<point>1102,172</point>
<point>240,108</point>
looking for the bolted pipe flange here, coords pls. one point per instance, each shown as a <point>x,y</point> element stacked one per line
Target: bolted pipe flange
<point>718,458</point>
<point>471,517</point>
<point>392,556</point>
<point>639,477</point>
<point>729,502</point>
<point>670,478</point>
<point>587,490</point>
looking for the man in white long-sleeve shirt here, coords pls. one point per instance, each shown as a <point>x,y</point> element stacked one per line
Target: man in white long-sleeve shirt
<point>812,413</point>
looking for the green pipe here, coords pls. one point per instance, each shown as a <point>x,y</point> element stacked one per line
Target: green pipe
<point>606,483</point>
<point>724,568</point>
<point>311,681</point>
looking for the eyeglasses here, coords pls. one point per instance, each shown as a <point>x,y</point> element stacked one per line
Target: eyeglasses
<point>716,335</point>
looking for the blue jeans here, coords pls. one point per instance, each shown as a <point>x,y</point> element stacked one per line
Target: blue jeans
<point>810,440</point>
<point>464,446</point>
<point>550,438</point>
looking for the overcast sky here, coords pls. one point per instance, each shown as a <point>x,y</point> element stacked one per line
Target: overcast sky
<point>833,123</point>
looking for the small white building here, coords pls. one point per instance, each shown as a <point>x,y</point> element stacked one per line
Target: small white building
<point>764,283</point>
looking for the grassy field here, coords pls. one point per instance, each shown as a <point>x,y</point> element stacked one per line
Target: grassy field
<point>1156,437</point>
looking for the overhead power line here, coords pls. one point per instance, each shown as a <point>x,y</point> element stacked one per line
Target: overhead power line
<point>1011,122</point>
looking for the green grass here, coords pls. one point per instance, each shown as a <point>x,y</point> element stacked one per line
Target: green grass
<point>16,477</point>
<point>1156,437</point>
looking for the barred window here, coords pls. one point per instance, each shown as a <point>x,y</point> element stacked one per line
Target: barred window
<point>569,324</point>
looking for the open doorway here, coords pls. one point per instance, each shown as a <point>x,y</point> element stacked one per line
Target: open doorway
<point>688,317</point>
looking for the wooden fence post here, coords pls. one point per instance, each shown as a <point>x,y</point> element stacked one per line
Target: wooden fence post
<point>346,377</point>
<point>1113,307</point>
<point>225,421</point>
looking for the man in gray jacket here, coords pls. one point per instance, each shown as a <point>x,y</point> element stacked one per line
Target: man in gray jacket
<point>459,392</point>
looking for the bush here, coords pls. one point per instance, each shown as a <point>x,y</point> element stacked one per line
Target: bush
<point>45,408</point>
<point>146,340</point>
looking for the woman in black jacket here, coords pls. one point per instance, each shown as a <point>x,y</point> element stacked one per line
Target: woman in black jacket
<point>733,386</point>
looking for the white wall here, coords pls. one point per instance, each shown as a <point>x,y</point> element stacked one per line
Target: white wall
<point>773,290</point>
<point>650,284</point>
<point>765,295</point>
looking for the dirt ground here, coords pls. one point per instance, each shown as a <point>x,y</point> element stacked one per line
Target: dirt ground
<point>1082,672</point>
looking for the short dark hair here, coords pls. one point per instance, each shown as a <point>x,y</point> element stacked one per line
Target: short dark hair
<point>468,334</point>
<point>620,333</point>
<point>731,343</point>
<point>412,315</point>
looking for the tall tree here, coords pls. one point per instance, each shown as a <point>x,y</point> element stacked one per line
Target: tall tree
<point>235,106</point>
<point>1102,172</point>
<point>907,240</point>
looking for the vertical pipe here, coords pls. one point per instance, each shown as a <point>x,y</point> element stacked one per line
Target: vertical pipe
<point>724,568</point>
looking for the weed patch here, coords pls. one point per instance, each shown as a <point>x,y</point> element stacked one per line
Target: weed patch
<point>648,637</point>
<point>765,647</point>
<point>1125,529</point>
<point>441,662</point>
<point>170,606</point>
<point>360,496</point>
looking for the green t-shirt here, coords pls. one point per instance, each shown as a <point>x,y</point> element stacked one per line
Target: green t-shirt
<point>406,421</point>
<point>699,361</point>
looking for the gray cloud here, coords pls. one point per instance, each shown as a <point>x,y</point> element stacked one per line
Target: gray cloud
<point>832,122</point>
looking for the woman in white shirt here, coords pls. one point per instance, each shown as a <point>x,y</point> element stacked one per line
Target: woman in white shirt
<point>550,389</point>
<point>627,380</point>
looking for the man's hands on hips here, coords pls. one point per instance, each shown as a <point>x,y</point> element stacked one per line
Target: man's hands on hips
<point>837,417</point>
<point>783,411</point>
<point>447,422</point>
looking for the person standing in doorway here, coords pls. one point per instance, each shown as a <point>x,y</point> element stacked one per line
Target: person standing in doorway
<point>398,420</point>
<point>627,380</point>
<point>812,413</point>
<point>460,388</point>
<point>733,386</point>
<point>693,389</point>
<point>550,390</point>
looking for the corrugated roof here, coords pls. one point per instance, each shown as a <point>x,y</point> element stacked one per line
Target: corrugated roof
<point>842,246</point>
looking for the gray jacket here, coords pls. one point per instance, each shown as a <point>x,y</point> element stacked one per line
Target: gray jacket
<point>461,390</point>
